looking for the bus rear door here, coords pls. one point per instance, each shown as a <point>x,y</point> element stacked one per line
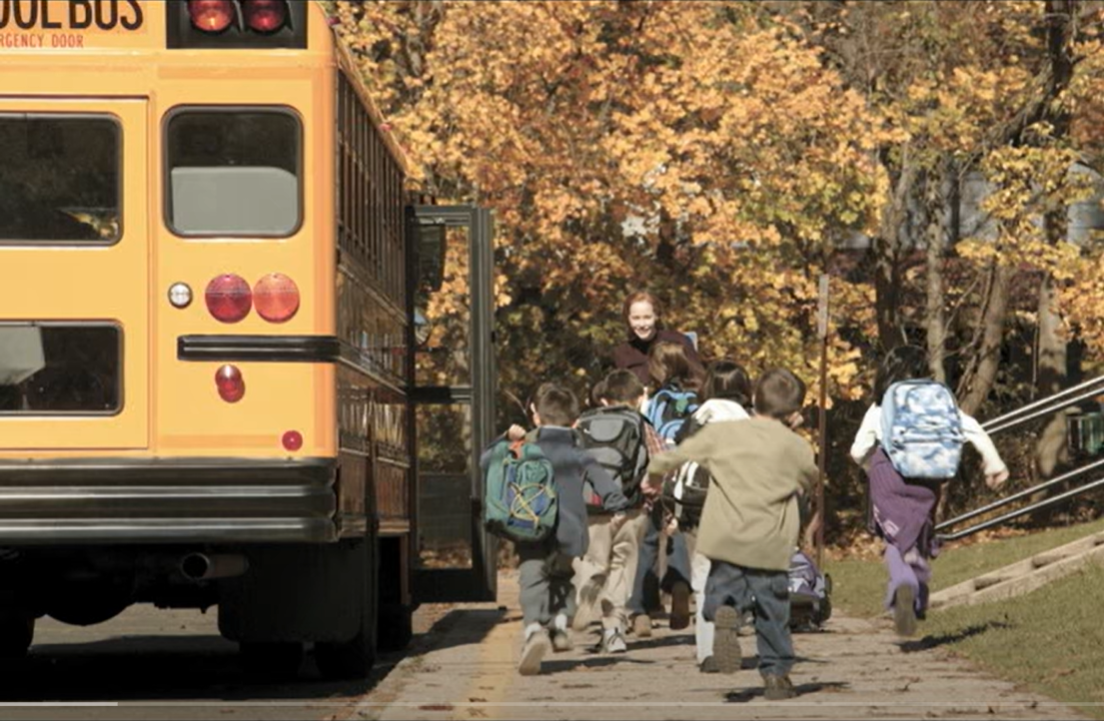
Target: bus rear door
<point>74,276</point>
<point>454,400</point>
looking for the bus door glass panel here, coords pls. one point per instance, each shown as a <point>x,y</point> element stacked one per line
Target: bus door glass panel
<point>442,308</point>
<point>445,477</point>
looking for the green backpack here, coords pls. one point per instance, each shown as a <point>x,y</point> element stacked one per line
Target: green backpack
<point>520,497</point>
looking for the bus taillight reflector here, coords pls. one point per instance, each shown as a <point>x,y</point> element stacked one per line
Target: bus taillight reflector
<point>231,385</point>
<point>276,297</point>
<point>211,16</point>
<point>228,298</point>
<point>264,16</point>
<point>293,440</point>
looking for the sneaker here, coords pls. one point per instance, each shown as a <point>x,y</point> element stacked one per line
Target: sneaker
<point>613,642</point>
<point>726,640</point>
<point>680,606</point>
<point>904,611</point>
<point>642,626</point>
<point>709,665</point>
<point>533,652</point>
<point>561,641</point>
<point>778,688</point>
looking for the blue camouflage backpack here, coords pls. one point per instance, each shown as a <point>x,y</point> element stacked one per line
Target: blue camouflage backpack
<point>922,429</point>
<point>520,502</point>
<point>668,409</point>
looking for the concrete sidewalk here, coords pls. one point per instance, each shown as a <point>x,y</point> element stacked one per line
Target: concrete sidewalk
<point>465,668</point>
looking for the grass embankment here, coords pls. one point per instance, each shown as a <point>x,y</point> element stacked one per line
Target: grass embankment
<point>1051,640</point>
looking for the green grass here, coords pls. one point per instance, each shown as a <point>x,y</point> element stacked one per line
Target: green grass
<point>858,586</point>
<point>1051,640</point>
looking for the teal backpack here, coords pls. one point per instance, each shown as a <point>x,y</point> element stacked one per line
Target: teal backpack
<point>520,496</point>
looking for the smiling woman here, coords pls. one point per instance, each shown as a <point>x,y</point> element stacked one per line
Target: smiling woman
<point>641,312</point>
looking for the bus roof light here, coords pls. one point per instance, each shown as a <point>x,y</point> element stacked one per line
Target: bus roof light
<point>230,384</point>
<point>265,16</point>
<point>211,16</point>
<point>228,298</point>
<point>276,297</point>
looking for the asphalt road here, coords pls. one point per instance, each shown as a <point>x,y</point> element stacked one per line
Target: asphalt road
<point>149,663</point>
<point>156,664</point>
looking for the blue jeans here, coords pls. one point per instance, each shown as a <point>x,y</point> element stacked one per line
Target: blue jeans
<point>765,592</point>
<point>646,586</point>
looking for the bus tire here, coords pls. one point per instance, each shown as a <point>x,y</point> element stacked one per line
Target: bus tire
<point>396,627</point>
<point>272,661</point>
<point>353,659</point>
<point>16,635</point>
<point>347,660</point>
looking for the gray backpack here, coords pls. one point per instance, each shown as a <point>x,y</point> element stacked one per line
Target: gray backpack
<point>614,437</point>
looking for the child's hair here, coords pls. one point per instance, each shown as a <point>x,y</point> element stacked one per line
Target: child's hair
<point>903,363</point>
<point>597,393</point>
<point>622,386</point>
<point>727,379</point>
<point>668,363</point>
<point>779,393</point>
<point>556,405</point>
<point>640,296</point>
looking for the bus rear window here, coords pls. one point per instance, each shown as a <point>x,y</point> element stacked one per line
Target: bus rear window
<point>55,368</point>
<point>234,172</point>
<point>59,179</point>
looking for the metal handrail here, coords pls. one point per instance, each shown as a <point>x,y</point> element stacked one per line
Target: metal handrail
<point>1044,406</point>
<point>1020,494</point>
<point>1020,512</point>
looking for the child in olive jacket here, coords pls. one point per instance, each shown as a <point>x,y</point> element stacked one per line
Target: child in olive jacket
<point>750,522</point>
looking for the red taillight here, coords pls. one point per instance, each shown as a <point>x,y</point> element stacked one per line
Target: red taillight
<point>264,16</point>
<point>228,298</point>
<point>292,440</point>
<point>211,16</point>
<point>276,297</point>
<point>231,386</point>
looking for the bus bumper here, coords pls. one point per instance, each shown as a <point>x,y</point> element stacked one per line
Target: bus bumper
<point>71,501</point>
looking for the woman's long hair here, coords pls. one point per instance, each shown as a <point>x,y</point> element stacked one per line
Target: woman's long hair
<point>668,364</point>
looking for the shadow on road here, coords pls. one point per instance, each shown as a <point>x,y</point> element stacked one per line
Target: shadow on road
<point>928,642</point>
<point>745,695</point>
<point>204,666</point>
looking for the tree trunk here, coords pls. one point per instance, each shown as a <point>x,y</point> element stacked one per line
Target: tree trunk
<point>1051,357</point>
<point>938,214</point>
<point>1050,450</point>
<point>980,382</point>
<point>887,251</point>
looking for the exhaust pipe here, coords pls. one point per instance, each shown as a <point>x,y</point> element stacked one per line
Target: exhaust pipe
<point>204,567</point>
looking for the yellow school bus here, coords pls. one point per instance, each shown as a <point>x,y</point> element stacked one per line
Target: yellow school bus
<point>204,328</point>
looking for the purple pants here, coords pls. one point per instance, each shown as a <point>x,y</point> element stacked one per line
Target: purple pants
<point>903,518</point>
<point>908,569</point>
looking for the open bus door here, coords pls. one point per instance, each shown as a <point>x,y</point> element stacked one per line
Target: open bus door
<point>453,399</point>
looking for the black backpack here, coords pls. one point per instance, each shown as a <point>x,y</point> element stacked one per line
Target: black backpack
<point>614,437</point>
<point>685,492</point>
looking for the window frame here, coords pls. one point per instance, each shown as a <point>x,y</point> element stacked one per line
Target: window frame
<point>166,168</point>
<point>120,184</point>
<point>120,335</point>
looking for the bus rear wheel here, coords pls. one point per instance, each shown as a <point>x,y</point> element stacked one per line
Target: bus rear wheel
<point>347,660</point>
<point>16,635</point>
<point>396,627</point>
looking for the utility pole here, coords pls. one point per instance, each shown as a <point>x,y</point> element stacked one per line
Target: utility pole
<point>822,457</point>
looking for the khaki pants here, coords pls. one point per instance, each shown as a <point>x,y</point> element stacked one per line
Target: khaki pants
<point>606,574</point>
